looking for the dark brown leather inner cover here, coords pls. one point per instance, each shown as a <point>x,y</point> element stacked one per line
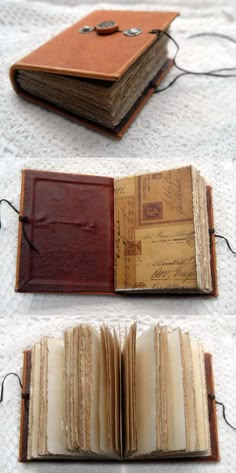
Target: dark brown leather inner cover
<point>71,224</point>
<point>214,456</point>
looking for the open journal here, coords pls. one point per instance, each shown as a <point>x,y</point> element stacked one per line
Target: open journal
<point>101,71</point>
<point>91,397</point>
<point>138,234</point>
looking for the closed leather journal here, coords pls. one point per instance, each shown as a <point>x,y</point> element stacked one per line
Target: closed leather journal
<point>99,72</point>
<point>89,395</point>
<point>139,234</point>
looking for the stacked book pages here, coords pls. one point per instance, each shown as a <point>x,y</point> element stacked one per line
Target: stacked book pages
<point>93,397</point>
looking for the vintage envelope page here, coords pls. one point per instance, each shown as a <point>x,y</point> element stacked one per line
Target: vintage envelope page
<point>154,231</point>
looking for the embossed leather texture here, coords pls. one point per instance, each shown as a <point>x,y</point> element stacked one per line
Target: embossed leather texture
<point>71,225</point>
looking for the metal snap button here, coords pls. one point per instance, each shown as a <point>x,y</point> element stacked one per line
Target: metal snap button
<point>86,29</point>
<point>107,27</point>
<point>133,32</point>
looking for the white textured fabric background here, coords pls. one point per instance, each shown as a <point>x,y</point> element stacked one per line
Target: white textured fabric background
<point>193,122</point>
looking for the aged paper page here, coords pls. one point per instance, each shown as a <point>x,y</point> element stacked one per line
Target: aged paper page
<point>154,231</point>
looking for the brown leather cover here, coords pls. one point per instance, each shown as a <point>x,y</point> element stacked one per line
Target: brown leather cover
<point>212,242</point>
<point>71,225</point>
<point>215,453</point>
<point>214,456</point>
<point>96,56</point>
<point>24,421</point>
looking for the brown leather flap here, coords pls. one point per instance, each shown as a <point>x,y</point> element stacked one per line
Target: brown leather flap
<point>24,421</point>
<point>71,224</point>
<point>97,56</point>
<point>212,241</point>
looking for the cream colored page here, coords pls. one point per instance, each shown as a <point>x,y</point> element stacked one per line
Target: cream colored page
<point>72,385</point>
<point>191,421</point>
<point>43,398</point>
<point>157,349</point>
<point>199,399</point>
<point>55,429</point>
<point>125,396</point>
<point>35,395</point>
<point>175,395</point>
<point>71,392</point>
<point>163,419</point>
<point>87,387</point>
<point>154,231</point>
<point>81,405</point>
<point>204,395</point>
<point>95,388</point>
<point>103,401</point>
<point>145,393</point>
<point>76,383</point>
<point>117,412</point>
<point>67,390</point>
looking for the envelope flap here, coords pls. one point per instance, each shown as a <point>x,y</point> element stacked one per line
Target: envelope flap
<point>97,56</point>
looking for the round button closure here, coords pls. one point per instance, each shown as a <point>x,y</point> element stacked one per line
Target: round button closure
<point>133,32</point>
<point>86,29</point>
<point>107,27</point>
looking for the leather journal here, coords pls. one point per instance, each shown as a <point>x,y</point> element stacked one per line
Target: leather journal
<point>101,71</point>
<point>139,234</point>
<point>86,395</point>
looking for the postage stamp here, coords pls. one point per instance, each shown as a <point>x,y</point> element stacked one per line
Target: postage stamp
<point>152,211</point>
<point>133,248</point>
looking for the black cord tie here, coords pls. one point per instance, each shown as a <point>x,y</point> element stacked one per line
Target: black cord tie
<point>213,73</point>
<point>212,232</point>
<point>213,398</point>
<point>23,220</point>
<point>25,396</point>
<point>2,384</point>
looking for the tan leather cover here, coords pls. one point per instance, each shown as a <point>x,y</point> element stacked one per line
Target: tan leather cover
<point>214,456</point>
<point>94,56</point>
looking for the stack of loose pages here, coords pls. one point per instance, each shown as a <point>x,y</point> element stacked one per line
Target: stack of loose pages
<point>91,399</point>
